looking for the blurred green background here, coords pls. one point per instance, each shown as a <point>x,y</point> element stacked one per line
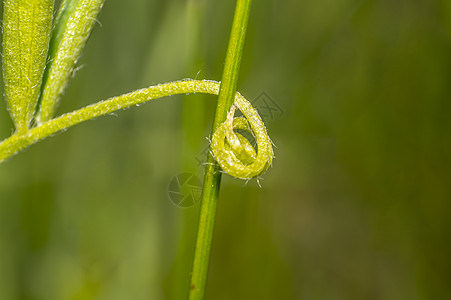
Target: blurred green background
<point>356,206</point>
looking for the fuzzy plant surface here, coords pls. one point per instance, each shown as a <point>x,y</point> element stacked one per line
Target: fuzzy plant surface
<point>40,55</point>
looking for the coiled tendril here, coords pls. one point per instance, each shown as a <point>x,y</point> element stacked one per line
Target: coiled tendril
<point>233,152</point>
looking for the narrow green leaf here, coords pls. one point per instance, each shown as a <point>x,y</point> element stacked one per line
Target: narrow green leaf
<point>26,33</point>
<point>65,10</point>
<point>74,23</point>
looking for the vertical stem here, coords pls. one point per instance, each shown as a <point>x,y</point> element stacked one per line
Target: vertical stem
<point>193,120</point>
<point>212,177</point>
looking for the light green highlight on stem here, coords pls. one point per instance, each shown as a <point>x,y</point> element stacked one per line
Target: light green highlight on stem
<point>74,23</point>
<point>212,178</point>
<point>26,32</point>
<point>18,142</point>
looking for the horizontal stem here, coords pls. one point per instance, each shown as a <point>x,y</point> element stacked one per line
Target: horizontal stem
<point>18,142</point>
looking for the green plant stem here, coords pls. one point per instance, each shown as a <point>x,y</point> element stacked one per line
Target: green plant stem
<point>19,141</point>
<point>212,177</point>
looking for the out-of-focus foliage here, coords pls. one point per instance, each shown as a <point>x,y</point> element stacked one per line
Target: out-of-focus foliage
<point>356,205</point>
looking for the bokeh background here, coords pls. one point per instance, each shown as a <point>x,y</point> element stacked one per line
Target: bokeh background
<point>356,97</point>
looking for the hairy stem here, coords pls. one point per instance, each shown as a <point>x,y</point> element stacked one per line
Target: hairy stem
<point>212,177</point>
<point>18,142</point>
